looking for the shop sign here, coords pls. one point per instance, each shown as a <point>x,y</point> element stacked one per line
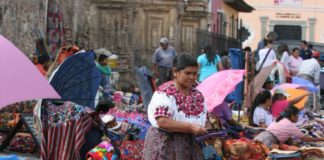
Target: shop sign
<point>288,15</point>
<point>288,2</point>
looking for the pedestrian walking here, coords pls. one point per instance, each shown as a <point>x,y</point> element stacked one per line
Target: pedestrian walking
<point>209,63</point>
<point>162,61</point>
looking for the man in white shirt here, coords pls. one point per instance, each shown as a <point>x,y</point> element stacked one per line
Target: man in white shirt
<point>310,70</point>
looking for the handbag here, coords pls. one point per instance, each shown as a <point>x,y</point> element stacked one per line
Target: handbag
<point>257,71</point>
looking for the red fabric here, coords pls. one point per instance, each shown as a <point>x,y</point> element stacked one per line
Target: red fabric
<point>64,141</point>
<point>41,69</point>
<point>278,107</point>
<point>132,150</point>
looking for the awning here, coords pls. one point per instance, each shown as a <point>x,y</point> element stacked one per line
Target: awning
<point>239,5</point>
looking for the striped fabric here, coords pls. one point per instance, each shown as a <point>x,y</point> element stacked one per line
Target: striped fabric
<point>64,141</point>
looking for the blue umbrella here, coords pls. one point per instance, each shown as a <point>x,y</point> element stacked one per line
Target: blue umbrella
<point>307,84</point>
<point>78,79</point>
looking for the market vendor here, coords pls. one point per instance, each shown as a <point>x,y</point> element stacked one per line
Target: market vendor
<point>176,113</point>
<point>280,102</point>
<point>283,129</point>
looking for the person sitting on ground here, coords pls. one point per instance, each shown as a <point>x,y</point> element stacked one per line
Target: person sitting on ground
<point>43,64</point>
<point>105,70</point>
<point>280,102</point>
<point>260,115</point>
<point>283,129</point>
<point>96,133</point>
<point>295,62</point>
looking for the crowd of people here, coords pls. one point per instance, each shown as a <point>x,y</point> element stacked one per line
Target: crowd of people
<point>177,111</point>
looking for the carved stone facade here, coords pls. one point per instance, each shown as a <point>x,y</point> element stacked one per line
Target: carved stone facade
<point>131,28</point>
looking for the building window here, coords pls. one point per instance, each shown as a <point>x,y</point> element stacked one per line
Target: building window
<point>288,32</point>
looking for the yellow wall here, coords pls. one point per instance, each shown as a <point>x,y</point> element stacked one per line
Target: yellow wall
<point>266,8</point>
<point>229,12</point>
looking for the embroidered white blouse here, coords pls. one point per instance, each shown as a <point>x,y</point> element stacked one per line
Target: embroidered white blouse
<point>169,102</point>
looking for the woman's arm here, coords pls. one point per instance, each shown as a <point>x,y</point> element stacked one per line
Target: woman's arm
<point>177,126</point>
<point>297,99</point>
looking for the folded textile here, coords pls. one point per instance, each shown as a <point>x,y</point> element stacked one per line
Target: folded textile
<point>312,151</point>
<point>282,156</point>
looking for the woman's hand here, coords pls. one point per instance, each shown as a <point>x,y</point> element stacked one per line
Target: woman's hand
<point>198,130</point>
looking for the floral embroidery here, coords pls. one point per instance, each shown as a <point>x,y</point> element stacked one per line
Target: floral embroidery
<point>162,111</point>
<point>192,105</point>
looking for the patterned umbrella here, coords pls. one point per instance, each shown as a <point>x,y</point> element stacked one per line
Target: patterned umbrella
<point>217,86</point>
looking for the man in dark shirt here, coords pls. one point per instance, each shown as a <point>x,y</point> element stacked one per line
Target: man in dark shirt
<point>305,52</point>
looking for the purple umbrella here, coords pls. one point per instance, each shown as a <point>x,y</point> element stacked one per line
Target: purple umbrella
<point>20,80</point>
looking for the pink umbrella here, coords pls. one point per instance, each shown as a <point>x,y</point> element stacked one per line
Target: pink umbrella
<point>20,80</point>
<point>217,86</point>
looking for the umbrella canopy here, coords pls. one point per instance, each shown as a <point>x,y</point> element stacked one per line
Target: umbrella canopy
<point>287,86</point>
<point>77,79</point>
<point>305,83</point>
<point>20,80</point>
<point>217,86</point>
<point>295,93</point>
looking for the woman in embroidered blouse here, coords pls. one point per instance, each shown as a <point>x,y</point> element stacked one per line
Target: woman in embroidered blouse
<point>176,113</point>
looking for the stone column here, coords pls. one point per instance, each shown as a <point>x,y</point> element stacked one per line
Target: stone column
<point>304,27</point>
<point>264,21</point>
<point>311,22</point>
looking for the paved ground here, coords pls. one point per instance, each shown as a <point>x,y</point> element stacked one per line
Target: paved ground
<point>21,156</point>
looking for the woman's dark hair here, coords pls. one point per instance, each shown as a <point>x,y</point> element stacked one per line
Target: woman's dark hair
<point>260,98</point>
<point>104,105</point>
<point>43,59</point>
<point>266,42</point>
<point>276,96</point>
<point>247,49</point>
<point>290,110</point>
<point>102,57</point>
<point>182,61</point>
<point>209,54</point>
<point>295,49</point>
<point>282,48</point>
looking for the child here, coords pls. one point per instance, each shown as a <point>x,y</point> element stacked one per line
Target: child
<point>106,73</point>
<point>280,102</point>
<point>283,129</point>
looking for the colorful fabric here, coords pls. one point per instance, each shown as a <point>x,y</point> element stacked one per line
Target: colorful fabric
<point>103,151</point>
<point>237,149</point>
<point>278,107</point>
<point>162,145</point>
<point>223,112</point>
<point>132,150</point>
<point>207,69</point>
<point>284,129</point>
<point>296,93</point>
<point>168,101</point>
<point>63,134</point>
<point>21,142</point>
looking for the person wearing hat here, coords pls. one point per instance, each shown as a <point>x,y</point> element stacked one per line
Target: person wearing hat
<point>280,102</point>
<point>310,70</point>
<point>162,61</point>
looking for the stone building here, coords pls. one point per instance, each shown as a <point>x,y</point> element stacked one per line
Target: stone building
<point>131,28</point>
